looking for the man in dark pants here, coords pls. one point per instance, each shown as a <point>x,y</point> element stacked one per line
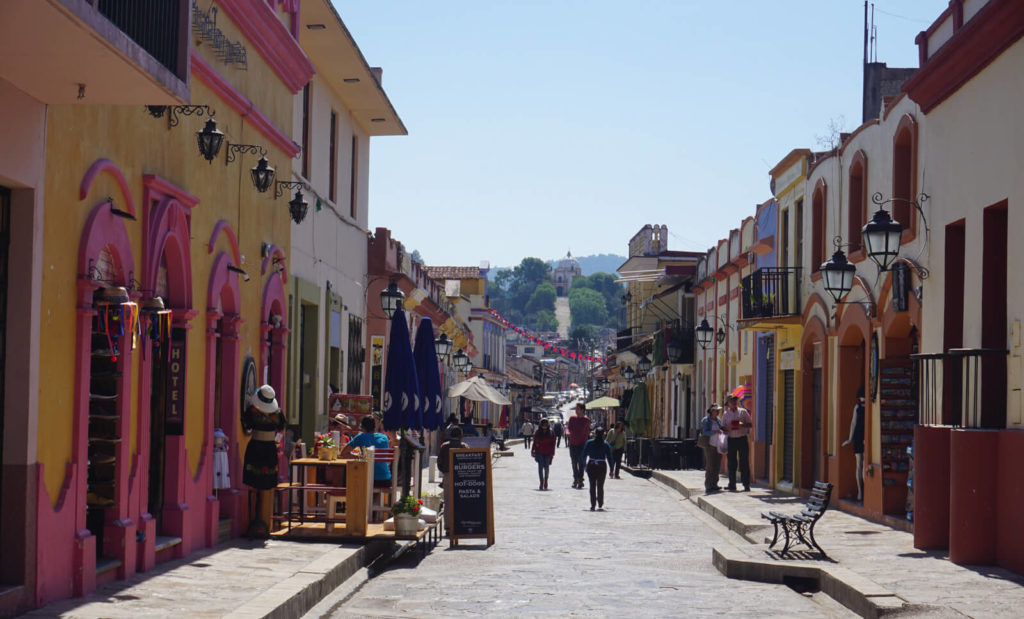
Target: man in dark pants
<point>736,422</point>
<point>579,434</point>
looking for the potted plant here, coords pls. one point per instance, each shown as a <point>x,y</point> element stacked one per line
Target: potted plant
<point>406,512</point>
<point>326,449</point>
<point>432,500</point>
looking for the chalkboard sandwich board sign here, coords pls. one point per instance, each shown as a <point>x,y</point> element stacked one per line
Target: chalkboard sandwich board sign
<point>471,498</point>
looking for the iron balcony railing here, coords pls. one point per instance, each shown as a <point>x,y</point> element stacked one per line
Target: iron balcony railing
<point>772,291</point>
<point>624,338</point>
<point>962,387</point>
<point>155,25</point>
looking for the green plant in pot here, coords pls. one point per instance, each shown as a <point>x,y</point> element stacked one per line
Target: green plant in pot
<point>406,512</point>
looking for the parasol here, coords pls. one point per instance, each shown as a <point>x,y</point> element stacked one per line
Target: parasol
<point>401,386</point>
<point>602,402</point>
<point>477,389</point>
<point>428,375</point>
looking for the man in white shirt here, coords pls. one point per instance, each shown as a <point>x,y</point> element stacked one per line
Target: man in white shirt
<point>527,430</point>
<point>736,422</point>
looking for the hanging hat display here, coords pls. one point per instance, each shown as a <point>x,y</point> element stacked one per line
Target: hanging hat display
<point>114,295</point>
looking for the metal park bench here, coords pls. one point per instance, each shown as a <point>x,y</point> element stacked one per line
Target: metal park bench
<point>797,525</point>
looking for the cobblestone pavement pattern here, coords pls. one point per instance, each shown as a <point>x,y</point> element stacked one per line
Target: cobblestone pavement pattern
<point>647,555</point>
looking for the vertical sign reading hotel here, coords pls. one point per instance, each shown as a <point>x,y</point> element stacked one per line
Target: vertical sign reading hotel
<point>376,369</point>
<point>470,494</point>
<point>174,419</point>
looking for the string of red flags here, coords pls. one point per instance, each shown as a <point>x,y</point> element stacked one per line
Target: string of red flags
<point>548,346</point>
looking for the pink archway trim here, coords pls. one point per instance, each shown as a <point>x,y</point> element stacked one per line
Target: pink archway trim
<point>238,102</point>
<point>108,166</point>
<point>170,241</point>
<point>273,252</point>
<point>169,189</point>
<point>274,299</point>
<point>223,287</point>
<point>225,227</point>
<point>103,228</point>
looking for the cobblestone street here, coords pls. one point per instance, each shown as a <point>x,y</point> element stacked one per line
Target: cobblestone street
<point>648,554</point>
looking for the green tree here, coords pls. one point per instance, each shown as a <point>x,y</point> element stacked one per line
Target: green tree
<point>543,298</point>
<point>581,338</point>
<point>543,320</point>
<point>587,307</point>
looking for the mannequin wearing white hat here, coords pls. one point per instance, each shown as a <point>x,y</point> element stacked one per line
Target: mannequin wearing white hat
<point>264,417</point>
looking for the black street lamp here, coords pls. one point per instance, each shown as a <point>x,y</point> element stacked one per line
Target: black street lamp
<point>210,140</point>
<point>643,365</point>
<point>262,175</point>
<point>838,275</point>
<point>298,208</point>
<point>628,373</point>
<point>390,299</point>
<point>673,349</point>
<point>704,333</point>
<point>720,335</point>
<point>443,347</point>
<point>461,361</point>
<point>882,237</point>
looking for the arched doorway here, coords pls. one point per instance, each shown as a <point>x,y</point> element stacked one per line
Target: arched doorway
<point>813,465</point>
<point>851,376</point>
<point>894,384</point>
<point>223,322</point>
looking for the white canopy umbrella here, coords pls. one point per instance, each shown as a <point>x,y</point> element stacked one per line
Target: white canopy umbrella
<point>476,388</point>
<point>602,402</point>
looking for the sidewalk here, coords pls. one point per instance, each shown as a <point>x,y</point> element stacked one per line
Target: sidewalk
<point>240,578</point>
<point>874,569</point>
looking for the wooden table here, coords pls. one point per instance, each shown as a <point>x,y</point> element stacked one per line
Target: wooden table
<point>357,489</point>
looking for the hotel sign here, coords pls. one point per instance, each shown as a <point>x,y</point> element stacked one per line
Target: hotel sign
<point>174,406</point>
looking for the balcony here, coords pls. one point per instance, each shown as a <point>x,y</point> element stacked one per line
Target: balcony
<point>96,51</point>
<point>962,387</point>
<point>772,292</point>
<point>624,338</point>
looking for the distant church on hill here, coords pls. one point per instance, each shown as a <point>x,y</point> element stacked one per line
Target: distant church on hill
<point>563,273</point>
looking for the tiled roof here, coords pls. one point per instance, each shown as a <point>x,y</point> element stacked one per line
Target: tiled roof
<point>454,272</point>
<point>518,378</point>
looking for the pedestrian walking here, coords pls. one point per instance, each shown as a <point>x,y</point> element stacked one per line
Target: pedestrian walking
<point>526,431</point>
<point>595,458</point>
<point>736,421</point>
<point>857,439</point>
<point>543,451</point>
<point>559,430</point>
<point>579,432</point>
<point>617,439</point>
<point>710,428</point>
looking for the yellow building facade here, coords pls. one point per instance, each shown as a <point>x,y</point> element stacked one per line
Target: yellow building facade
<point>134,394</point>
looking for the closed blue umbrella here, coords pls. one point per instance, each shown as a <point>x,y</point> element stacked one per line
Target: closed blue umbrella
<point>401,386</point>
<point>429,376</point>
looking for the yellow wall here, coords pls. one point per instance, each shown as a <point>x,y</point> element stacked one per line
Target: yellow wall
<point>139,144</point>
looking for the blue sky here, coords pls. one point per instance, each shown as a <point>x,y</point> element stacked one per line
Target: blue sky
<point>539,126</point>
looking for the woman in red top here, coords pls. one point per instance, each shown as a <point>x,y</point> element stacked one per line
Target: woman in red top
<point>543,451</point>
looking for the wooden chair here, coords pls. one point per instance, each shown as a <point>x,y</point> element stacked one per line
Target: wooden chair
<point>384,497</point>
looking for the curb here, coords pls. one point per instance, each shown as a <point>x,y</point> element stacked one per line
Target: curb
<point>861,595</point>
<point>295,595</point>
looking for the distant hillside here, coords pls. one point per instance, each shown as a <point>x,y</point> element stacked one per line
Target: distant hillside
<point>600,263</point>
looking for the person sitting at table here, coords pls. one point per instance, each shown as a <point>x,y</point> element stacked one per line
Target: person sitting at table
<point>370,438</point>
